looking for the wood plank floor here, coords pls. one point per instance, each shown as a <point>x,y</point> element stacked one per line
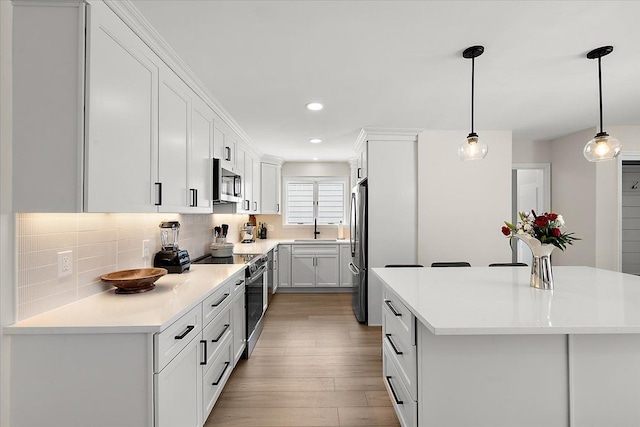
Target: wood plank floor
<point>314,365</point>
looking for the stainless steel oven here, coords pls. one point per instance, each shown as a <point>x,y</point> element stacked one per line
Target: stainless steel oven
<point>255,282</point>
<point>255,292</point>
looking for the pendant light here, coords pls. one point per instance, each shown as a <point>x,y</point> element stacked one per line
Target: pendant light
<point>602,146</point>
<point>472,148</point>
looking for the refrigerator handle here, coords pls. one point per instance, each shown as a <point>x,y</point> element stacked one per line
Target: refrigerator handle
<point>354,232</point>
<point>353,269</point>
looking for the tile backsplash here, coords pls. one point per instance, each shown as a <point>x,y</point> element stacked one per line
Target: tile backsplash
<point>99,244</point>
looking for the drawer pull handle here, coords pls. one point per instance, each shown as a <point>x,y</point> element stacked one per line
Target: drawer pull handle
<point>216,382</point>
<point>239,282</point>
<point>185,333</point>
<point>221,334</point>
<point>224,297</point>
<point>395,349</point>
<point>392,308</point>
<point>395,396</point>
<point>204,360</point>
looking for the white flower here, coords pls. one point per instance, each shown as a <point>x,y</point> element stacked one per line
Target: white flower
<point>560,221</point>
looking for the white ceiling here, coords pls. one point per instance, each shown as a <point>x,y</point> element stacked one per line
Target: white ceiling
<point>398,64</point>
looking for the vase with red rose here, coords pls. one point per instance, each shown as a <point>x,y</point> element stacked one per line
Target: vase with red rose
<point>542,234</point>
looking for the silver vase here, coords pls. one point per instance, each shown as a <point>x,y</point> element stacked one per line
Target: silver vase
<point>541,273</point>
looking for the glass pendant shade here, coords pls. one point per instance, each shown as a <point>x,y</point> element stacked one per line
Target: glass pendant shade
<point>472,148</point>
<point>602,147</point>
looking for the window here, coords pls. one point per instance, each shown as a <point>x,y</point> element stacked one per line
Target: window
<point>308,198</point>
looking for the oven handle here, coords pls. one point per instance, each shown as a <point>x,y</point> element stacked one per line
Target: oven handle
<point>258,273</point>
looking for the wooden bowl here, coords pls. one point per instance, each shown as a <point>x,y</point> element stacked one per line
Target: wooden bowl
<point>134,281</point>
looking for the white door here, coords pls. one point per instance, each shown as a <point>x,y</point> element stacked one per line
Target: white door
<point>174,137</point>
<point>179,389</point>
<point>121,117</point>
<point>303,270</point>
<point>531,193</point>
<point>327,270</point>
<point>200,154</point>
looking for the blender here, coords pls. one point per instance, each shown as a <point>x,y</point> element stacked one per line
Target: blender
<point>171,257</point>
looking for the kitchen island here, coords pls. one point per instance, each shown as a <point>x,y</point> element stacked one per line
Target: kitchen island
<point>480,347</point>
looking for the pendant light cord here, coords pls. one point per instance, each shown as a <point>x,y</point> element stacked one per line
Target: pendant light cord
<point>600,90</point>
<point>473,62</point>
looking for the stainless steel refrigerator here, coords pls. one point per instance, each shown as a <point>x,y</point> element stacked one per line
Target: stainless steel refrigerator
<point>358,264</point>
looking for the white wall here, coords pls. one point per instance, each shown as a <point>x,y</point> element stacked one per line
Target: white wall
<point>6,216</point>
<point>316,169</point>
<point>462,205</point>
<point>531,152</point>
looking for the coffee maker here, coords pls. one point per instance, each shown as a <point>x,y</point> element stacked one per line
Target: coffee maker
<point>246,233</point>
<point>171,257</point>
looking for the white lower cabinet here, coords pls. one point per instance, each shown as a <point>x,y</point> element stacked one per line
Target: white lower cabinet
<point>315,265</point>
<point>131,379</point>
<point>177,390</point>
<point>399,358</point>
<point>284,266</point>
<point>345,273</point>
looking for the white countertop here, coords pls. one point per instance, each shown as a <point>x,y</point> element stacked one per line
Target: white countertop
<point>262,246</point>
<point>147,312</point>
<point>499,300</point>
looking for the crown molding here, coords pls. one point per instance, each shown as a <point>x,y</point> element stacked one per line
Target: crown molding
<point>385,134</point>
<point>127,11</point>
<point>279,161</point>
<point>48,3</point>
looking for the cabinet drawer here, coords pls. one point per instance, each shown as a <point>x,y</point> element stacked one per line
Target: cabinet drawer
<point>237,283</point>
<point>406,407</point>
<point>401,314</point>
<point>168,343</point>
<point>398,345</point>
<point>215,378</point>
<point>215,333</point>
<point>314,249</point>
<point>216,302</point>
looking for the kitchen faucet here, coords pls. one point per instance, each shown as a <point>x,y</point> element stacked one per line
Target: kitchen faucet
<point>315,228</point>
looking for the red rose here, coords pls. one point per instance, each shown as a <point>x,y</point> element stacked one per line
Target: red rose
<point>552,216</point>
<point>556,232</point>
<point>506,230</point>
<point>541,221</point>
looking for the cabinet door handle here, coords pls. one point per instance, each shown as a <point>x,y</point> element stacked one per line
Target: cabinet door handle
<point>395,349</point>
<point>395,396</point>
<point>194,197</point>
<point>393,310</point>
<point>216,382</point>
<point>159,193</point>
<point>185,333</point>
<point>247,204</point>
<point>204,359</point>
<point>224,297</point>
<point>221,333</point>
<point>228,153</point>
<point>277,207</point>
<point>359,170</point>
<point>239,282</point>
<point>255,206</point>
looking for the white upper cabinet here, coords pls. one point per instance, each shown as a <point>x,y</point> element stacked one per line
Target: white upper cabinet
<point>200,177</point>
<point>270,188</point>
<point>174,137</point>
<point>118,130</point>
<point>255,196</point>
<point>121,119</point>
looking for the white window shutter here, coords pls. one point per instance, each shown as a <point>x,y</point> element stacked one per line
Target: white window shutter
<point>330,202</point>
<point>300,202</point>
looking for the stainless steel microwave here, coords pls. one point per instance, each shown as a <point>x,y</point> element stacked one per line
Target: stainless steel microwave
<point>227,185</point>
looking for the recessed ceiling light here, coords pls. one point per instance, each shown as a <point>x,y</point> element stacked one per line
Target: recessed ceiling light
<point>315,140</point>
<point>314,106</point>
<point>315,158</point>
